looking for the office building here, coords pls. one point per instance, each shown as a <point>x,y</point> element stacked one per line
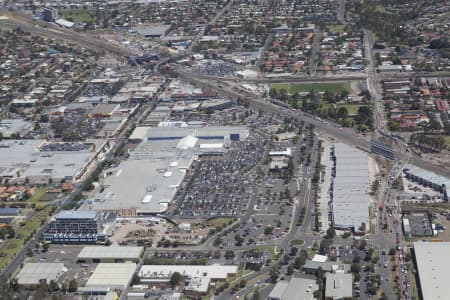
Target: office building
<point>84,227</point>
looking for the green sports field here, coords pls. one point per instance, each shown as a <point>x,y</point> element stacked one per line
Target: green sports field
<point>332,87</point>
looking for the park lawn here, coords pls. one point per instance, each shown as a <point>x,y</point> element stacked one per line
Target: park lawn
<point>332,87</point>
<point>220,222</point>
<point>336,28</point>
<point>77,15</point>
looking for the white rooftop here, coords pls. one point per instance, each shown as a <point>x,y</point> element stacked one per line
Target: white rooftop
<point>165,271</point>
<point>433,265</point>
<point>119,252</point>
<point>27,158</point>
<point>339,285</point>
<point>351,201</point>
<point>31,273</point>
<point>112,275</point>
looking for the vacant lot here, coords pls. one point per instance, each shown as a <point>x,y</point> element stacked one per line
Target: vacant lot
<point>332,87</point>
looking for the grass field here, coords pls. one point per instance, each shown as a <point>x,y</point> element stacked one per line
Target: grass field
<point>332,87</point>
<point>76,15</point>
<point>297,242</point>
<point>336,28</point>
<point>220,222</point>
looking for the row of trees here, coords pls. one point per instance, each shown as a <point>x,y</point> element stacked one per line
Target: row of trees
<point>428,143</point>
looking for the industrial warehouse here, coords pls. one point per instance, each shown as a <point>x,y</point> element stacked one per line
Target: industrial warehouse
<point>147,182</point>
<point>38,161</point>
<point>432,262</point>
<point>97,254</point>
<point>350,200</point>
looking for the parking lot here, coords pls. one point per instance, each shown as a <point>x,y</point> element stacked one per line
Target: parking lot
<point>218,68</point>
<point>216,184</point>
<point>66,254</point>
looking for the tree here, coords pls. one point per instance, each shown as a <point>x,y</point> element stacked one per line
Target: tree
<point>364,116</point>
<point>64,286</point>
<point>362,245</point>
<point>229,254</point>
<point>175,279</point>
<point>331,233</point>
<point>342,112</point>
<point>355,268</point>
<point>239,240</point>
<point>73,285</point>
<point>53,286</point>
<point>274,275</point>
<point>242,283</point>
<point>290,270</point>
<point>268,230</point>
<point>273,93</point>
<point>44,119</point>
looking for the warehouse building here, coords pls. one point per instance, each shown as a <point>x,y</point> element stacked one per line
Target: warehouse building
<point>115,276</point>
<point>338,286</point>
<point>10,127</point>
<point>31,273</point>
<point>296,288</point>
<point>39,161</point>
<point>350,200</point>
<point>429,179</point>
<point>432,261</point>
<point>111,254</point>
<point>79,227</point>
